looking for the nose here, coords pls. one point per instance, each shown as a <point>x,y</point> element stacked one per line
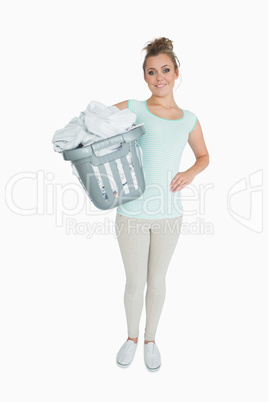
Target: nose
<point>159,77</point>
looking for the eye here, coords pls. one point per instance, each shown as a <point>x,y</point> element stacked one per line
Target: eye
<point>167,69</point>
<point>150,72</point>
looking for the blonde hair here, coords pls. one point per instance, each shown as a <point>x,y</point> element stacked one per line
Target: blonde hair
<point>159,46</point>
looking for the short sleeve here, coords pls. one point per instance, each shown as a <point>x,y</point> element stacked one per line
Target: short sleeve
<point>193,121</point>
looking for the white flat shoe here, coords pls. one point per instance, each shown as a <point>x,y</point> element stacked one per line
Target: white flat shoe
<point>152,356</point>
<point>126,353</point>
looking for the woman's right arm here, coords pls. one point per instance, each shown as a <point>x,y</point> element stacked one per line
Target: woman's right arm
<point>121,105</point>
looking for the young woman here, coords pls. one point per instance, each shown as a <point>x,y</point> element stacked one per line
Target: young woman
<point>148,228</point>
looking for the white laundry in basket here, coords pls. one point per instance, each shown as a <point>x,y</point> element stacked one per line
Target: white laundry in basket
<point>97,122</point>
<point>107,121</point>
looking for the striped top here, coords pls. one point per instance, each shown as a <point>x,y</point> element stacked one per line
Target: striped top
<point>162,146</point>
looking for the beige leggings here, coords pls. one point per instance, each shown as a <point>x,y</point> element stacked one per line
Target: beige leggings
<point>146,246</point>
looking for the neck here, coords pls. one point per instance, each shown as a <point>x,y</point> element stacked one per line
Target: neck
<point>166,102</point>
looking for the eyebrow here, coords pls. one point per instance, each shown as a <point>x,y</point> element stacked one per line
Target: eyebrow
<point>152,68</point>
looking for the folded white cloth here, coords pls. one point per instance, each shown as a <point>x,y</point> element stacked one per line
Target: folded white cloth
<point>96,122</point>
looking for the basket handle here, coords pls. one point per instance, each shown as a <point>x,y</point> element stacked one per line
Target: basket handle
<point>108,142</point>
<point>128,136</point>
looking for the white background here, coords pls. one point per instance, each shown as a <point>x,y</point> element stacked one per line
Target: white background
<point>62,315</point>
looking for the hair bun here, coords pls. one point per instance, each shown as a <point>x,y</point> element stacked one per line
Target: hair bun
<point>159,44</point>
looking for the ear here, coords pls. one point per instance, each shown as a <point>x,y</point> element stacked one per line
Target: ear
<point>177,73</point>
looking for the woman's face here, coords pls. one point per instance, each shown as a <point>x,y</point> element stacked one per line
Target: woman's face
<point>160,74</point>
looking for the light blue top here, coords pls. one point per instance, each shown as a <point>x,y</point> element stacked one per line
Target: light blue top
<point>162,146</point>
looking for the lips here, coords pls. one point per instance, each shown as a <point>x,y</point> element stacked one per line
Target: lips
<point>160,85</point>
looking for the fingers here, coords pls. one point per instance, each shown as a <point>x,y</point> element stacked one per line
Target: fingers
<point>177,180</point>
<point>178,185</point>
<point>180,181</point>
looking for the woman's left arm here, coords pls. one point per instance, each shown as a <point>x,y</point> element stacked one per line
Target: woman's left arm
<point>197,143</point>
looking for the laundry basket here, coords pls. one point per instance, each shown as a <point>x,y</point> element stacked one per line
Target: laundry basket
<point>114,178</point>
